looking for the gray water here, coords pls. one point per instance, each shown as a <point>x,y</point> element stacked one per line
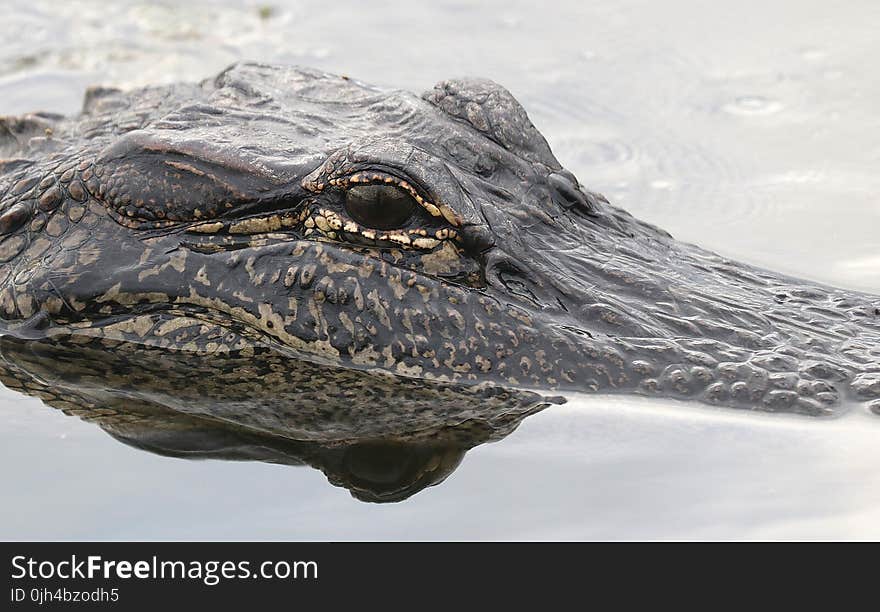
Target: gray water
<point>749,128</point>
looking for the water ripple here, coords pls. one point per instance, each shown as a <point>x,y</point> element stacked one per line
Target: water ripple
<point>746,106</point>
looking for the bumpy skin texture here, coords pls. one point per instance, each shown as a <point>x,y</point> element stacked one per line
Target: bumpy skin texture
<point>224,203</point>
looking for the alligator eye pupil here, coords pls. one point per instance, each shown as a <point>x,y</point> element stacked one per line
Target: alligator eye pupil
<point>380,207</point>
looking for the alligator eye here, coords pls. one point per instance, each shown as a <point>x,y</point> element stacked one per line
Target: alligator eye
<point>381,207</point>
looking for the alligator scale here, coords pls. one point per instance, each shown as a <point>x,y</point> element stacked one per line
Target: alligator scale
<point>431,240</point>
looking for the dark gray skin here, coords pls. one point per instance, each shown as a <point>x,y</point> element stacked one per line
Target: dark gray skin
<point>240,203</point>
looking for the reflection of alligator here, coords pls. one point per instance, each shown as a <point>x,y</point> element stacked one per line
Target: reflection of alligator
<point>382,438</point>
<point>436,238</point>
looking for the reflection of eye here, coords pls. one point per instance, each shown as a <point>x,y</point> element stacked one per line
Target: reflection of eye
<point>382,207</point>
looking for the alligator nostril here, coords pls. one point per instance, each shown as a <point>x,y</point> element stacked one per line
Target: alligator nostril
<point>566,186</point>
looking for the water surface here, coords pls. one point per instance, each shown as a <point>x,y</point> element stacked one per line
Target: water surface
<point>749,128</point>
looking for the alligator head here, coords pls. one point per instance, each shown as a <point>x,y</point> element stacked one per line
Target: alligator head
<point>433,238</point>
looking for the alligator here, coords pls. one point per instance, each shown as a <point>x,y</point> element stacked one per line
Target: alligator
<point>433,238</point>
<point>383,438</point>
